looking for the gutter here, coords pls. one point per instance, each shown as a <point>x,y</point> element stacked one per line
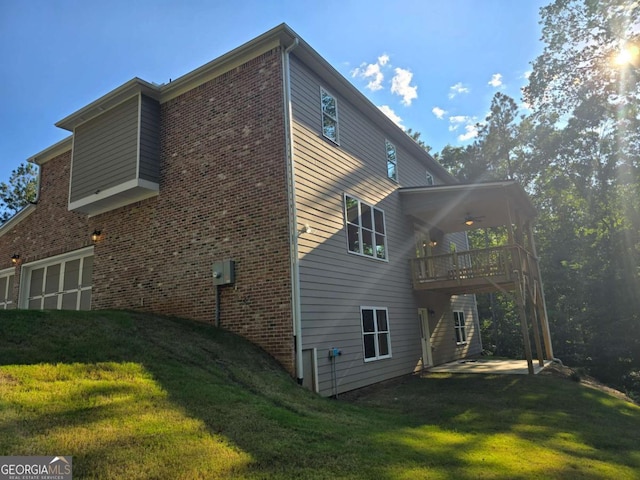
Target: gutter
<point>293,214</point>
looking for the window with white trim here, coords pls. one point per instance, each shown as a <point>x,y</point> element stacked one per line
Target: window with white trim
<point>392,160</point>
<point>375,333</point>
<point>460,327</point>
<point>366,233</point>
<point>329,106</point>
<point>430,180</point>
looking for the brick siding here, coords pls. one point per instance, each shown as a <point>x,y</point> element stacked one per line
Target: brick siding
<point>223,195</point>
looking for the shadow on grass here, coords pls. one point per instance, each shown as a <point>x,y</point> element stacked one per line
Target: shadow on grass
<point>226,398</point>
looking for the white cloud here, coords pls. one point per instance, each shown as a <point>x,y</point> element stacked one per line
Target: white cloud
<point>438,112</point>
<point>527,74</point>
<point>466,122</point>
<point>392,115</point>
<point>457,120</point>
<point>401,85</point>
<point>456,89</point>
<point>471,131</point>
<point>373,72</point>
<point>496,80</point>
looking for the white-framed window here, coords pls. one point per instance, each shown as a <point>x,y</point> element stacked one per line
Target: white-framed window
<point>7,278</point>
<point>376,341</point>
<point>460,327</point>
<point>392,160</point>
<point>329,106</point>
<point>366,232</point>
<point>430,180</point>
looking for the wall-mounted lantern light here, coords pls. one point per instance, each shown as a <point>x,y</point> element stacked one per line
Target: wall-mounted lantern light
<point>468,220</point>
<point>95,236</point>
<point>15,258</point>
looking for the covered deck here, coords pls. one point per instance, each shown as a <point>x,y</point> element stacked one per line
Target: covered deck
<point>512,267</point>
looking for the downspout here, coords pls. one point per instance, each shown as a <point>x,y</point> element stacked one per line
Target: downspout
<point>293,214</point>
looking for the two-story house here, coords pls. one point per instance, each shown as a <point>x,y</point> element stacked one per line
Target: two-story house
<point>264,194</point>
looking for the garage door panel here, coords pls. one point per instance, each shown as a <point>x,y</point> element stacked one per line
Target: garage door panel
<point>50,303</point>
<point>35,285</point>
<point>70,301</point>
<point>85,300</point>
<point>71,275</point>
<point>52,281</point>
<point>87,272</point>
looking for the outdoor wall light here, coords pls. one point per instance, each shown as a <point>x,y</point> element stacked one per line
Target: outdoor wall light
<point>305,229</point>
<point>95,235</point>
<point>468,220</point>
<point>15,258</point>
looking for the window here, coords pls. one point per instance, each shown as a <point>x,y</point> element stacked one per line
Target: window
<point>375,333</point>
<point>460,327</point>
<point>365,229</point>
<point>329,116</point>
<point>392,161</point>
<point>430,180</point>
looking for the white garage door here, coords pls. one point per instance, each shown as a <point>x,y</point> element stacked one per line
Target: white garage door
<point>6,289</point>
<point>59,283</point>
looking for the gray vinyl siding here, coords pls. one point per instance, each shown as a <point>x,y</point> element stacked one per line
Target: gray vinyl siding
<point>443,336</point>
<point>334,282</point>
<point>105,151</point>
<point>150,140</point>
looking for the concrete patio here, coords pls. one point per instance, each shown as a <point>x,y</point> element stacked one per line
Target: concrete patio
<point>488,366</point>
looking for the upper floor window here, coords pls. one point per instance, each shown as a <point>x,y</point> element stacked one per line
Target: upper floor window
<point>392,161</point>
<point>375,333</point>
<point>329,115</point>
<point>365,228</point>
<point>460,327</point>
<point>430,180</point>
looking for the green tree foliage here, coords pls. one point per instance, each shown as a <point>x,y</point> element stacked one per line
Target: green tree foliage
<point>21,189</point>
<point>416,138</point>
<point>464,163</point>
<point>585,128</point>
<point>578,155</point>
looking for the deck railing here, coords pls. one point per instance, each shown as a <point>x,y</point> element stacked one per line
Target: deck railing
<point>472,264</point>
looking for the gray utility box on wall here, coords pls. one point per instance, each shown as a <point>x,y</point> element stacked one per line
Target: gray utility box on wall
<point>224,272</point>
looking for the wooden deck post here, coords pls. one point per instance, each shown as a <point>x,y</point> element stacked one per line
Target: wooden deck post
<point>541,303</point>
<point>520,294</point>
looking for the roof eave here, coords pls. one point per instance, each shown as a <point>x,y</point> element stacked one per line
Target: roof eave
<point>114,97</point>
<point>16,219</point>
<point>53,151</point>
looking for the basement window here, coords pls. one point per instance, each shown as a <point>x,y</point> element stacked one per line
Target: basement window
<point>460,327</point>
<point>375,333</point>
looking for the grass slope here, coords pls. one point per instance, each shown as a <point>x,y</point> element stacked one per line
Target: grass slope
<point>140,396</point>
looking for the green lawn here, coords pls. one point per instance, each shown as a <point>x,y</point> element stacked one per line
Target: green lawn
<point>138,396</point>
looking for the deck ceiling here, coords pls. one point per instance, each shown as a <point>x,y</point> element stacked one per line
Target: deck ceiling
<point>446,206</point>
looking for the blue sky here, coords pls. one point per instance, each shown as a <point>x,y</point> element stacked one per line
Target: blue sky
<point>434,65</point>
